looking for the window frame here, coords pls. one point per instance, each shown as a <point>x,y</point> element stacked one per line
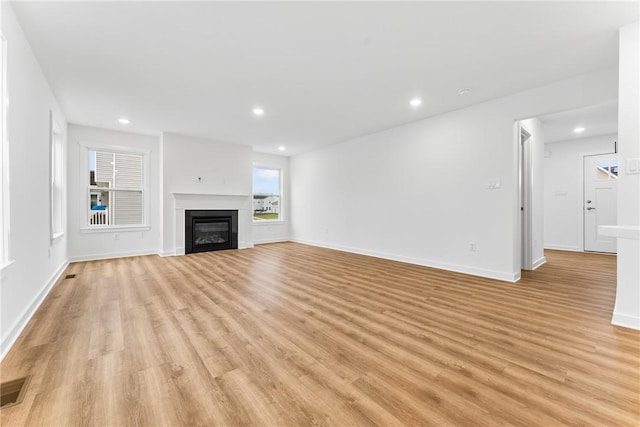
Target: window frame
<point>85,187</point>
<point>281,217</point>
<point>57,189</point>
<point>5,223</point>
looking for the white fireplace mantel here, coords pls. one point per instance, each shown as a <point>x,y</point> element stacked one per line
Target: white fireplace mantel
<point>186,195</point>
<point>214,201</point>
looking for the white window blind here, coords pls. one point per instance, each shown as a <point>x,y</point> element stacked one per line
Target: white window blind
<point>117,189</point>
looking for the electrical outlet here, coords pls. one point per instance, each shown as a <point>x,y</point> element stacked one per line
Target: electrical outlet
<point>116,237</point>
<point>326,231</point>
<point>472,247</point>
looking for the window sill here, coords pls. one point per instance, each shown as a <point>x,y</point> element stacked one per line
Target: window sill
<point>123,228</point>
<point>269,222</point>
<point>6,265</point>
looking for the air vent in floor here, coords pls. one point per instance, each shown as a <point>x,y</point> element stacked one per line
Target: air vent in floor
<point>12,392</point>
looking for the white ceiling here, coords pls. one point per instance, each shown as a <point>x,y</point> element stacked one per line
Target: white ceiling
<point>324,72</point>
<point>596,120</point>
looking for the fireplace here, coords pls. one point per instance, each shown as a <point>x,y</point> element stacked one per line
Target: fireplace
<point>210,230</point>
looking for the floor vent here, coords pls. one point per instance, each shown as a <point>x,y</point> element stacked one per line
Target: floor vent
<point>70,276</point>
<point>12,392</point>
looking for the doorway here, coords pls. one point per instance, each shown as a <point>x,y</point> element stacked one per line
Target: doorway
<point>571,139</point>
<point>525,198</point>
<point>600,201</point>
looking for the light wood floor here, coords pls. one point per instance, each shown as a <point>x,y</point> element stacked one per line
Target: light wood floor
<point>292,335</point>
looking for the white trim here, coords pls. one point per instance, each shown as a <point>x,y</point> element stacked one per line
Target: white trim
<point>5,266</point>
<point>5,211</point>
<point>538,263</point>
<point>580,203</point>
<point>273,240</point>
<point>625,321</point>
<point>263,222</point>
<point>57,156</point>
<point>84,186</point>
<point>114,229</point>
<point>563,248</point>
<point>517,184</point>
<point>281,195</point>
<point>525,177</point>
<point>177,194</point>
<point>9,340</point>
<point>56,236</point>
<point>112,255</point>
<point>474,271</point>
<point>631,232</point>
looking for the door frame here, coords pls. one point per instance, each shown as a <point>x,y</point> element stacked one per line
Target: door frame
<point>580,204</point>
<point>523,230</point>
<point>581,198</point>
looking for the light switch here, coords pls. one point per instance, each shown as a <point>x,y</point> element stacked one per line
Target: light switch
<point>633,166</point>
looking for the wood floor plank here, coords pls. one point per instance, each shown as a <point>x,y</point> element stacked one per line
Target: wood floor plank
<point>292,335</point>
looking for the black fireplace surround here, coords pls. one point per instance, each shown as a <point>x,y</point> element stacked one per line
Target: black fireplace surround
<point>210,230</point>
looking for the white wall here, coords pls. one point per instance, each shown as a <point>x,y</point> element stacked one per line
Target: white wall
<point>267,232</point>
<point>225,172</point>
<point>563,189</point>
<point>627,308</point>
<point>418,192</point>
<point>38,260</point>
<point>535,174</point>
<point>85,245</point>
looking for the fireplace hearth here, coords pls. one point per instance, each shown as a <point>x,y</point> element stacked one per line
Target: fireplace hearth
<point>210,230</point>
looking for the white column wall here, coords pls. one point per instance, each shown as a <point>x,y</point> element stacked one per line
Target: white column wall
<point>627,308</point>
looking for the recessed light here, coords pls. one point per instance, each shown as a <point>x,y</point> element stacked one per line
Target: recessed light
<point>281,148</point>
<point>464,91</point>
<point>415,102</point>
<point>579,130</point>
<point>258,111</point>
<point>124,121</point>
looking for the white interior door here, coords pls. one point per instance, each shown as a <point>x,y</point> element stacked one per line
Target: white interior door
<point>600,200</point>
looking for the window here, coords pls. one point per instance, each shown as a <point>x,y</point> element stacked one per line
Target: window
<point>57,185</point>
<point>116,187</point>
<point>267,194</point>
<point>607,170</point>
<point>4,157</point>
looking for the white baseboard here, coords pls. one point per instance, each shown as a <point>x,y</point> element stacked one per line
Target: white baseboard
<point>276,240</point>
<point>563,248</point>
<point>625,321</point>
<point>9,340</point>
<point>538,263</point>
<point>474,271</point>
<point>111,255</point>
